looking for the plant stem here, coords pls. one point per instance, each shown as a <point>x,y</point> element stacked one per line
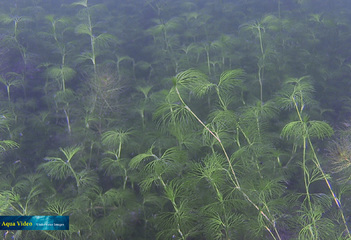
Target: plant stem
<point>317,163</point>
<point>235,180</point>
<point>67,121</point>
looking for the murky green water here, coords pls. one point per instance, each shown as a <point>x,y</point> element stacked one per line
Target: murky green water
<point>194,120</point>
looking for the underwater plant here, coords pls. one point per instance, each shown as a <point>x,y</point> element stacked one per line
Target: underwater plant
<point>176,119</point>
<point>87,27</point>
<point>200,85</point>
<point>59,168</point>
<point>143,102</point>
<point>339,154</point>
<point>157,170</point>
<point>11,79</point>
<point>114,164</point>
<point>62,73</point>
<point>257,27</point>
<point>62,101</point>
<point>16,21</point>
<point>297,95</point>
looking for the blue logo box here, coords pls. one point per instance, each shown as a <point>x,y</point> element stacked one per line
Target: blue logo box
<point>34,222</point>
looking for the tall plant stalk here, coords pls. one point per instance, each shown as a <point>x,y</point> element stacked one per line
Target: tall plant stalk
<point>11,80</point>
<point>87,28</point>
<point>297,95</point>
<point>156,169</point>
<point>257,28</point>
<point>193,79</point>
<point>62,168</point>
<point>97,42</point>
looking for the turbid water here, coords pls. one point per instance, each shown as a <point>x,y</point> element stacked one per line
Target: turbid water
<point>193,120</point>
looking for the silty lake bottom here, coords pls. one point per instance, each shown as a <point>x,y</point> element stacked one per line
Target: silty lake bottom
<point>192,120</point>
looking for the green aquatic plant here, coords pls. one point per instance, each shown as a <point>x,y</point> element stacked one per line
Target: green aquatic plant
<point>187,137</point>
<point>254,119</point>
<point>15,40</point>
<point>11,79</point>
<point>106,88</point>
<point>121,59</point>
<point>24,194</point>
<point>219,166</point>
<point>143,102</point>
<point>170,114</point>
<point>206,47</point>
<point>61,73</point>
<point>221,220</point>
<point>59,207</point>
<point>188,50</point>
<point>160,32</point>
<point>59,168</point>
<point>227,88</point>
<point>258,28</point>
<point>112,213</point>
<point>56,24</point>
<point>63,99</point>
<point>8,142</point>
<point>199,85</point>
<point>339,154</point>
<point>115,166</point>
<point>113,163</point>
<point>297,94</point>
<point>97,42</point>
<point>8,121</point>
<point>158,171</point>
<point>16,21</point>
<point>6,145</point>
<point>180,221</point>
<point>165,35</point>
<point>225,44</point>
<point>115,138</point>
<point>196,25</point>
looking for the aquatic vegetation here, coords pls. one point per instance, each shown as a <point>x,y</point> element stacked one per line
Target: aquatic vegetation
<point>62,168</point>
<point>177,120</point>
<point>303,130</point>
<point>339,154</point>
<point>11,79</point>
<point>16,21</point>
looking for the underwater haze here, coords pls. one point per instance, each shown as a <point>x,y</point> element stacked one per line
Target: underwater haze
<point>176,119</point>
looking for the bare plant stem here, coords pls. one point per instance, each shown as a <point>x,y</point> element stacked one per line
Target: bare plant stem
<point>67,121</point>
